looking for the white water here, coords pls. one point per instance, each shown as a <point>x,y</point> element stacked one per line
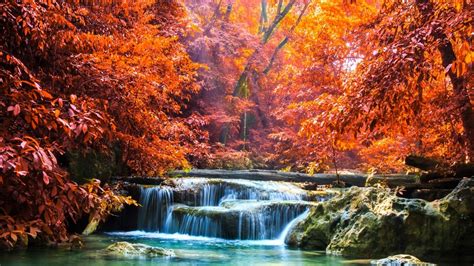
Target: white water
<point>184,237</point>
<point>243,210</point>
<point>176,236</point>
<point>290,226</point>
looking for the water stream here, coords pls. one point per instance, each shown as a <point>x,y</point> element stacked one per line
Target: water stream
<point>228,209</point>
<point>206,222</point>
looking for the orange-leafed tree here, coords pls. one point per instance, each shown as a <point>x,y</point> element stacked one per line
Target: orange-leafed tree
<point>308,79</point>
<point>417,80</point>
<point>87,76</point>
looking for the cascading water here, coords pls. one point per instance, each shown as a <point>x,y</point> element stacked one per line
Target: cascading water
<point>156,206</point>
<point>229,209</point>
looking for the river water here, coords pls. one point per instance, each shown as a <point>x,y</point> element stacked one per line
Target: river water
<point>205,222</point>
<point>190,250</point>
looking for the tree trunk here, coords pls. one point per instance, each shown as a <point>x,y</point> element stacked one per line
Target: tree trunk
<point>462,96</point>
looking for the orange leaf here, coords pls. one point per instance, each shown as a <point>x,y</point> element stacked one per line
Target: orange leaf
<point>73,98</point>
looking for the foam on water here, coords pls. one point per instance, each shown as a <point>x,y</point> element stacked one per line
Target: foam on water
<point>185,237</point>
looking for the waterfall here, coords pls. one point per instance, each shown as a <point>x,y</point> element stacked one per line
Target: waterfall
<point>229,209</point>
<point>290,226</point>
<point>156,206</point>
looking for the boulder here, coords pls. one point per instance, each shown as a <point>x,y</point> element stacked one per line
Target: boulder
<point>399,260</point>
<point>374,222</point>
<point>129,250</point>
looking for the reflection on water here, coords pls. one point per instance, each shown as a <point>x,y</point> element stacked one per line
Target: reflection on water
<point>190,250</point>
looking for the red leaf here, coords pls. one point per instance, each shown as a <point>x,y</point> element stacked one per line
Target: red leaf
<point>54,192</point>
<point>45,178</point>
<point>46,94</point>
<point>16,110</point>
<point>84,128</point>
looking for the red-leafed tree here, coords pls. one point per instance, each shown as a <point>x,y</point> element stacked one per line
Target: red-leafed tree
<point>86,76</point>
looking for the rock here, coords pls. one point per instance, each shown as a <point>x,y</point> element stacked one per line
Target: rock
<point>371,222</point>
<point>245,219</point>
<point>129,250</point>
<point>399,260</point>
<point>91,226</point>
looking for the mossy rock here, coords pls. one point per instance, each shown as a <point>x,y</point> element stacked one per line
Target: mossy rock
<point>86,165</point>
<point>129,250</point>
<point>373,222</point>
<point>400,260</point>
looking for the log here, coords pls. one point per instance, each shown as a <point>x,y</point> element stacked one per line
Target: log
<point>439,170</point>
<point>272,175</point>
<point>464,170</point>
<point>421,162</point>
<point>429,194</point>
<point>457,171</point>
<point>141,180</point>
<point>393,180</point>
<point>350,179</point>
<point>450,182</point>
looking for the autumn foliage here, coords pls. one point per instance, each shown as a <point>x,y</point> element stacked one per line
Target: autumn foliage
<point>339,84</point>
<point>156,85</point>
<point>79,76</point>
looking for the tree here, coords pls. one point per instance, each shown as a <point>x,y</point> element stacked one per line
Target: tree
<point>87,76</point>
<point>417,78</point>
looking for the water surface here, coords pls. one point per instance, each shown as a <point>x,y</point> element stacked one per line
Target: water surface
<point>190,250</point>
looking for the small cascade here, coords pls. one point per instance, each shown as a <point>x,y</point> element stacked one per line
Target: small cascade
<point>292,224</point>
<point>229,209</point>
<point>156,204</point>
<point>206,192</point>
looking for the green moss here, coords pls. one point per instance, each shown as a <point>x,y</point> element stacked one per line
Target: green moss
<point>84,165</point>
<point>371,222</point>
<point>129,250</point>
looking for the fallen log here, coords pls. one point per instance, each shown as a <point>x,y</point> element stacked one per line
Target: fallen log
<point>271,175</point>
<point>429,194</point>
<point>139,180</point>
<point>422,163</point>
<point>393,180</point>
<point>439,170</point>
<point>350,179</point>
<point>447,182</point>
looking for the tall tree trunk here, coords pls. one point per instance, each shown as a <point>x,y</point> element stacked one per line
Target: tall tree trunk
<point>241,89</point>
<point>462,95</point>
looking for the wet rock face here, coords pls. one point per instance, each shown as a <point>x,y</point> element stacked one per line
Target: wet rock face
<point>129,250</point>
<point>372,222</point>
